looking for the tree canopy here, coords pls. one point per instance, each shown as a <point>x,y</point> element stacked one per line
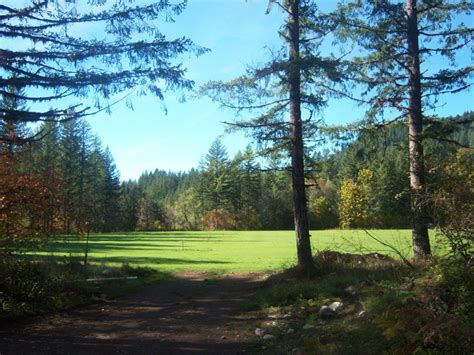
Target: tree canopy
<point>62,55</point>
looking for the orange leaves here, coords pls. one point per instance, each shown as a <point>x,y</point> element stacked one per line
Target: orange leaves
<point>22,199</point>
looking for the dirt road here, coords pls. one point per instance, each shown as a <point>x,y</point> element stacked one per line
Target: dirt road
<point>189,314</point>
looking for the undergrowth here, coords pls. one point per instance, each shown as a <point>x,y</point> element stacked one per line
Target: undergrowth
<point>31,288</point>
<point>388,306</point>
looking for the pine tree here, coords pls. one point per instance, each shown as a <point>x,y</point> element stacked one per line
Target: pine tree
<point>215,179</point>
<point>130,195</point>
<point>111,193</point>
<point>56,60</point>
<point>398,42</point>
<point>13,132</point>
<point>70,163</point>
<point>47,166</point>
<point>250,190</point>
<point>276,93</point>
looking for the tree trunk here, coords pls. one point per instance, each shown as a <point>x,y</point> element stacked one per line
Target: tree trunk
<point>421,242</point>
<point>303,244</point>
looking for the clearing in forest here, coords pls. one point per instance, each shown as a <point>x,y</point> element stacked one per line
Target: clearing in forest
<point>220,251</point>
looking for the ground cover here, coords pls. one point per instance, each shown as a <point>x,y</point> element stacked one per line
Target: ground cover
<point>368,304</point>
<point>220,251</point>
<point>233,305</point>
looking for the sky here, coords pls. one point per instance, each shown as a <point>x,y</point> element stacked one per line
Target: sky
<point>237,33</point>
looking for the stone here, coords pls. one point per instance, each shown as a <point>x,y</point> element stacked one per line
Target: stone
<point>362,314</point>
<point>308,326</point>
<point>290,331</point>
<point>336,306</point>
<point>268,337</point>
<point>350,290</point>
<point>260,332</point>
<point>326,312</point>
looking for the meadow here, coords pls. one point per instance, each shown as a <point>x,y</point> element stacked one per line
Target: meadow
<point>220,251</point>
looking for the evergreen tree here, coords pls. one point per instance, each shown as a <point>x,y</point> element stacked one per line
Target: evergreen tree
<point>13,132</point>
<point>47,165</point>
<point>149,214</point>
<point>57,61</point>
<point>250,190</point>
<point>96,186</point>
<point>215,178</point>
<point>397,42</point>
<point>295,79</point>
<point>70,163</point>
<point>130,195</point>
<point>111,192</point>
<point>276,205</point>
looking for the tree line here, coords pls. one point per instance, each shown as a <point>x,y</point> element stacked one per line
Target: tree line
<point>66,182</point>
<point>74,186</point>
<point>361,185</point>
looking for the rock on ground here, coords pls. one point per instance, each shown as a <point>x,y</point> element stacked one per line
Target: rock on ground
<point>336,306</point>
<point>326,312</point>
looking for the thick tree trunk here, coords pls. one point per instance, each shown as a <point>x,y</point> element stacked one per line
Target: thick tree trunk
<point>303,244</point>
<point>421,242</point>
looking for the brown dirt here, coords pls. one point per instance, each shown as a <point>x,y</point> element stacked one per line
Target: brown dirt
<point>189,314</point>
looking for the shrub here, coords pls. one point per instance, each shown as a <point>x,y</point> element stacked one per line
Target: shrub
<point>24,288</point>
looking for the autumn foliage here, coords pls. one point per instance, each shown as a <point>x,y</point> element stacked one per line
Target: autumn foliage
<point>22,201</point>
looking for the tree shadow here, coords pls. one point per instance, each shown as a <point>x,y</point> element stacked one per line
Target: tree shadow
<point>183,315</point>
<point>138,260</point>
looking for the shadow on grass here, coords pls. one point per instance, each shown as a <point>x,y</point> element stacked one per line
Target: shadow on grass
<point>111,243</point>
<point>95,246</point>
<point>126,239</point>
<point>139,260</point>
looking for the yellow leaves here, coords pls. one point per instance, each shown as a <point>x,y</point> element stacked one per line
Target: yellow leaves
<point>351,206</point>
<point>354,205</point>
<point>318,205</point>
<point>365,177</point>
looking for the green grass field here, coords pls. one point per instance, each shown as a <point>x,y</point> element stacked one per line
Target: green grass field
<point>228,251</point>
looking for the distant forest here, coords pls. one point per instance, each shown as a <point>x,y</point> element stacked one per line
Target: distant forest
<point>362,183</point>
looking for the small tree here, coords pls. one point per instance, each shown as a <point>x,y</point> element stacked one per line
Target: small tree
<point>355,205</point>
<point>22,201</point>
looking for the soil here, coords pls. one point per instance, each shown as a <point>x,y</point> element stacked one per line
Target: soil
<point>189,314</point>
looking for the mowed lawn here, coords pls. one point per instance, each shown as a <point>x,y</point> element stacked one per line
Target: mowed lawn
<point>224,251</point>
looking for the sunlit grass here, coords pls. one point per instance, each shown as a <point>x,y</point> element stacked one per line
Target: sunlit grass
<point>223,251</point>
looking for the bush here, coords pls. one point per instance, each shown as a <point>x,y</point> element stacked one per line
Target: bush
<point>24,288</point>
<point>218,219</point>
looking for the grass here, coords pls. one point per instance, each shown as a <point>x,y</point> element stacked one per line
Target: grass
<point>426,309</point>
<point>218,252</point>
<point>37,288</point>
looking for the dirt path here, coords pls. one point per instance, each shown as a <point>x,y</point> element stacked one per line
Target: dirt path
<point>185,315</point>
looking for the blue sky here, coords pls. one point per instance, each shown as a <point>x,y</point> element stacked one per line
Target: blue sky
<point>236,32</point>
